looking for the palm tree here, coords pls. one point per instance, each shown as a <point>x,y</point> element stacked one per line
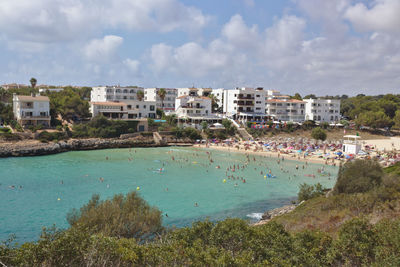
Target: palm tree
<point>214,102</point>
<point>140,95</point>
<point>33,82</point>
<point>162,93</point>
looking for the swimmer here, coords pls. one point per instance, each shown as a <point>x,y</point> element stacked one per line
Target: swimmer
<point>166,214</point>
<point>297,167</point>
<point>195,204</point>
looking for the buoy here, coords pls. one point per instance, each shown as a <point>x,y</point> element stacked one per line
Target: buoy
<point>58,199</point>
<point>224,181</point>
<point>265,177</point>
<point>138,188</point>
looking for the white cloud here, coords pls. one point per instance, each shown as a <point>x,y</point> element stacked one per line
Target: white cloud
<point>103,50</point>
<point>383,16</point>
<point>237,32</point>
<point>46,21</point>
<point>132,65</point>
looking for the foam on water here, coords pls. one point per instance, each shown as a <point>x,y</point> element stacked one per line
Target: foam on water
<point>52,185</point>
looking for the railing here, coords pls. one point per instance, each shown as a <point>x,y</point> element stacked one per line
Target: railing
<point>35,117</point>
<point>194,107</point>
<point>245,97</point>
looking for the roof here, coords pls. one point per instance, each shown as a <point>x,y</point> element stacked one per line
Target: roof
<point>109,103</point>
<point>33,98</point>
<point>286,101</point>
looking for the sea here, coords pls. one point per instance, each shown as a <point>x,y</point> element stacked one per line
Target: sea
<point>187,184</point>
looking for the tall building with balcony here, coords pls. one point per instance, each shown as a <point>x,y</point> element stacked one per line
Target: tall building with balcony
<point>285,109</point>
<point>323,110</point>
<point>151,94</point>
<point>245,104</point>
<point>115,102</point>
<point>31,110</point>
<point>114,93</point>
<point>194,91</point>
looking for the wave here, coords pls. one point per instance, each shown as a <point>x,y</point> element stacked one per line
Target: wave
<point>255,215</point>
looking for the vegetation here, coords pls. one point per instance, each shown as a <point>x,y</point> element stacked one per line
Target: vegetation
<point>228,131</point>
<point>162,93</point>
<point>372,111</point>
<point>318,134</point>
<point>33,82</point>
<point>54,136</point>
<point>187,132</point>
<point>122,216</point>
<point>101,127</point>
<point>358,176</point>
<point>307,191</point>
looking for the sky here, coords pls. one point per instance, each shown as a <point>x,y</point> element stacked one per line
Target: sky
<point>325,47</point>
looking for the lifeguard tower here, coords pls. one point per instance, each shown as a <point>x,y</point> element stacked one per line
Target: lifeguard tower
<point>351,144</point>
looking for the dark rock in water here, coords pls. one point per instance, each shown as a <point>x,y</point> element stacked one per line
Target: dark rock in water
<point>266,216</point>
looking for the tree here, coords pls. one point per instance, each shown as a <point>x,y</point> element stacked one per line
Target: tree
<point>374,119</point>
<point>310,96</point>
<point>162,93</point>
<point>297,96</point>
<point>307,191</point>
<point>214,102</point>
<point>358,176</point>
<point>396,119</point>
<point>33,82</point>
<point>318,134</point>
<point>204,125</point>
<point>122,216</point>
<point>140,95</point>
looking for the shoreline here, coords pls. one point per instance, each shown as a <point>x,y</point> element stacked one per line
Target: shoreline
<point>37,148</point>
<point>277,155</point>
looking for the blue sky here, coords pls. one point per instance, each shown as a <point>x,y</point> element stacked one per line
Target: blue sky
<point>307,46</point>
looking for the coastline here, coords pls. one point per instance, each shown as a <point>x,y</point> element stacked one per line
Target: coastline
<point>270,153</point>
<point>37,148</point>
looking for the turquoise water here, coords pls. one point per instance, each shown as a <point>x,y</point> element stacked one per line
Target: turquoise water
<point>47,187</point>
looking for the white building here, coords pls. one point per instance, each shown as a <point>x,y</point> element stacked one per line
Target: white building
<point>150,94</point>
<point>114,93</point>
<point>286,109</point>
<point>31,110</point>
<point>323,110</point>
<point>126,110</point>
<point>219,95</point>
<point>115,102</point>
<point>194,91</point>
<point>245,104</point>
<point>193,110</point>
<point>192,106</point>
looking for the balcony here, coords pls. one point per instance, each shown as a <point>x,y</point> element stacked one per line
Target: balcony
<point>245,103</point>
<point>194,107</point>
<point>27,117</point>
<point>245,97</point>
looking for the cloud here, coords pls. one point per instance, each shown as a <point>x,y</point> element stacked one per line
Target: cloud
<point>383,16</point>
<point>284,57</point>
<point>132,65</point>
<point>47,21</point>
<point>103,50</point>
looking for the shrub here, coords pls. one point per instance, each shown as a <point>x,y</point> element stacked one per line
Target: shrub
<point>307,191</point>
<point>318,134</point>
<point>122,216</point>
<point>358,176</point>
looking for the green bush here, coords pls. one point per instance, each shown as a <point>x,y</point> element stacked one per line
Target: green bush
<point>54,136</point>
<point>318,134</point>
<point>122,216</point>
<point>358,176</point>
<point>307,191</point>
<point>5,130</point>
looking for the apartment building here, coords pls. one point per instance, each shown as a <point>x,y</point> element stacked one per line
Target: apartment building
<point>286,109</point>
<point>115,93</point>
<point>323,110</point>
<point>219,95</point>
<point>194,91</point>
<point>192,106</point>
<point>124,103</point>
<point>124,110</point>
<point>151,94</point>
<point>245,104</point>
<point>31,110</point>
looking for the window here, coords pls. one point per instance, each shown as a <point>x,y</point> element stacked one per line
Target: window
<point>132,91</point>
<point>152,107</point>
<point>137,106</point>
<point>125,91</point>
<point>118,91</point>
<point>129,106</point>
<point>144,106</point>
